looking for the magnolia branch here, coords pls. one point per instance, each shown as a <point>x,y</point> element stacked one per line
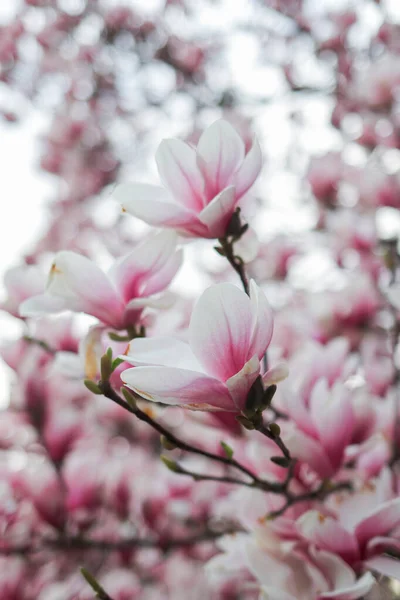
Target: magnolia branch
<point>132,407</point>
<point>76,543</point>
<point>281,488</point>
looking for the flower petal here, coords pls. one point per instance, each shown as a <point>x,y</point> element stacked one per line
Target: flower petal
<point>385,518</point>
<point>357,591</point>
<point>309,451</point>
<point>385,566</point>
<point>43,304</point>
<point>327,533</point>
<point>161,351</point>
<point>239,385</point>
<point>332,415</point>
<point>131,273</point>
<point>249,170</point>
<point>177,166</point>
<point>220,329</point>
<point>216,215</point>
<point>178,387</point>
<point>263,323</point>
<point>152,204</point>
<point>84,287</point>
<point>220,151</point>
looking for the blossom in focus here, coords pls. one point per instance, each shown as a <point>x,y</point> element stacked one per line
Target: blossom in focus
<point>202,186</point>
<point>229,333</point>
<point>117,298</point>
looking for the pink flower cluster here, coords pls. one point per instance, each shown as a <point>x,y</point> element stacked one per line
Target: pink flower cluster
<point>217,415</point>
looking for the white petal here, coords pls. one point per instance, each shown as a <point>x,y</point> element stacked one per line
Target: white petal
<point>178,387</point>
<point>217,214</point>
<point>161,351</point>
<point>220,152</point>
<point>239,385</point>
<point>152,204</point>
<point>263,323</point>
<point>42,304</point>
<point>177,166</point>
<point>220,330</point>
<point>249,170</point>
<point>84,287</point>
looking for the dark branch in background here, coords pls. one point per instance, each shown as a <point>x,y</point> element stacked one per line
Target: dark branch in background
<point>76,543</point>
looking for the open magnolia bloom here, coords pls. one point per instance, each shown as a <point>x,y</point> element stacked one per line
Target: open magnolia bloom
<point>229,333</point>
<point>203,186</point>
<point>117,298</point>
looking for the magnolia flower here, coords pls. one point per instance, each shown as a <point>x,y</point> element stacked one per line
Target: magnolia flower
<point>228,335</point>
<point>116,298</point>
<point>365,528</point>
<point>321,432</point>
<point>203,186</point>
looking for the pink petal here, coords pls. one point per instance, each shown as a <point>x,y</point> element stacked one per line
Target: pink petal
<point>220,151</point>
<point>379,545</point>
<point>163,277</point>
<point>249,170</point>
<point>333,417</point>
<point>263,323</point>
<point>310,452</point>
<point>385,565</point>
<point>341,577</point>
<point>178,387</point>
<point>177,166</point>
<point>84,287</point>
<point>357,591</point>
<point>385,518</point>
<point>220,329</point>
<point>153,260</point>
<point>153,205</point>
<point>327,533</point>
<point>216,215</point>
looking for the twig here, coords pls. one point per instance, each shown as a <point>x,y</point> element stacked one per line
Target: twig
<point>269,486</point>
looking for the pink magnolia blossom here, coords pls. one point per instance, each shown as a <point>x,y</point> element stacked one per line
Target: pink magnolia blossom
<point>228,335</point>
<point>360,529</point>
<point>323,430</point>
<point>203,186</point>
<point>116,298</point>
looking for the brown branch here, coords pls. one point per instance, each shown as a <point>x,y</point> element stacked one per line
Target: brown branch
<point>76,543</point>
<point>262,484</point>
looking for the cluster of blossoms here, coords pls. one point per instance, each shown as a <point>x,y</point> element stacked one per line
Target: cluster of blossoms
<point>245,444</point>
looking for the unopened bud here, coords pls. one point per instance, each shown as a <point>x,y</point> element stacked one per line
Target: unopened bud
<point>247,424</point>
<point>227,449</point>
<point>171,464</point>
<point>106,365</point>
<point>129,397</point>
<point>93,387</point>
<point>167,444</point>
<point>275,429</point>
<point>282,461</point>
